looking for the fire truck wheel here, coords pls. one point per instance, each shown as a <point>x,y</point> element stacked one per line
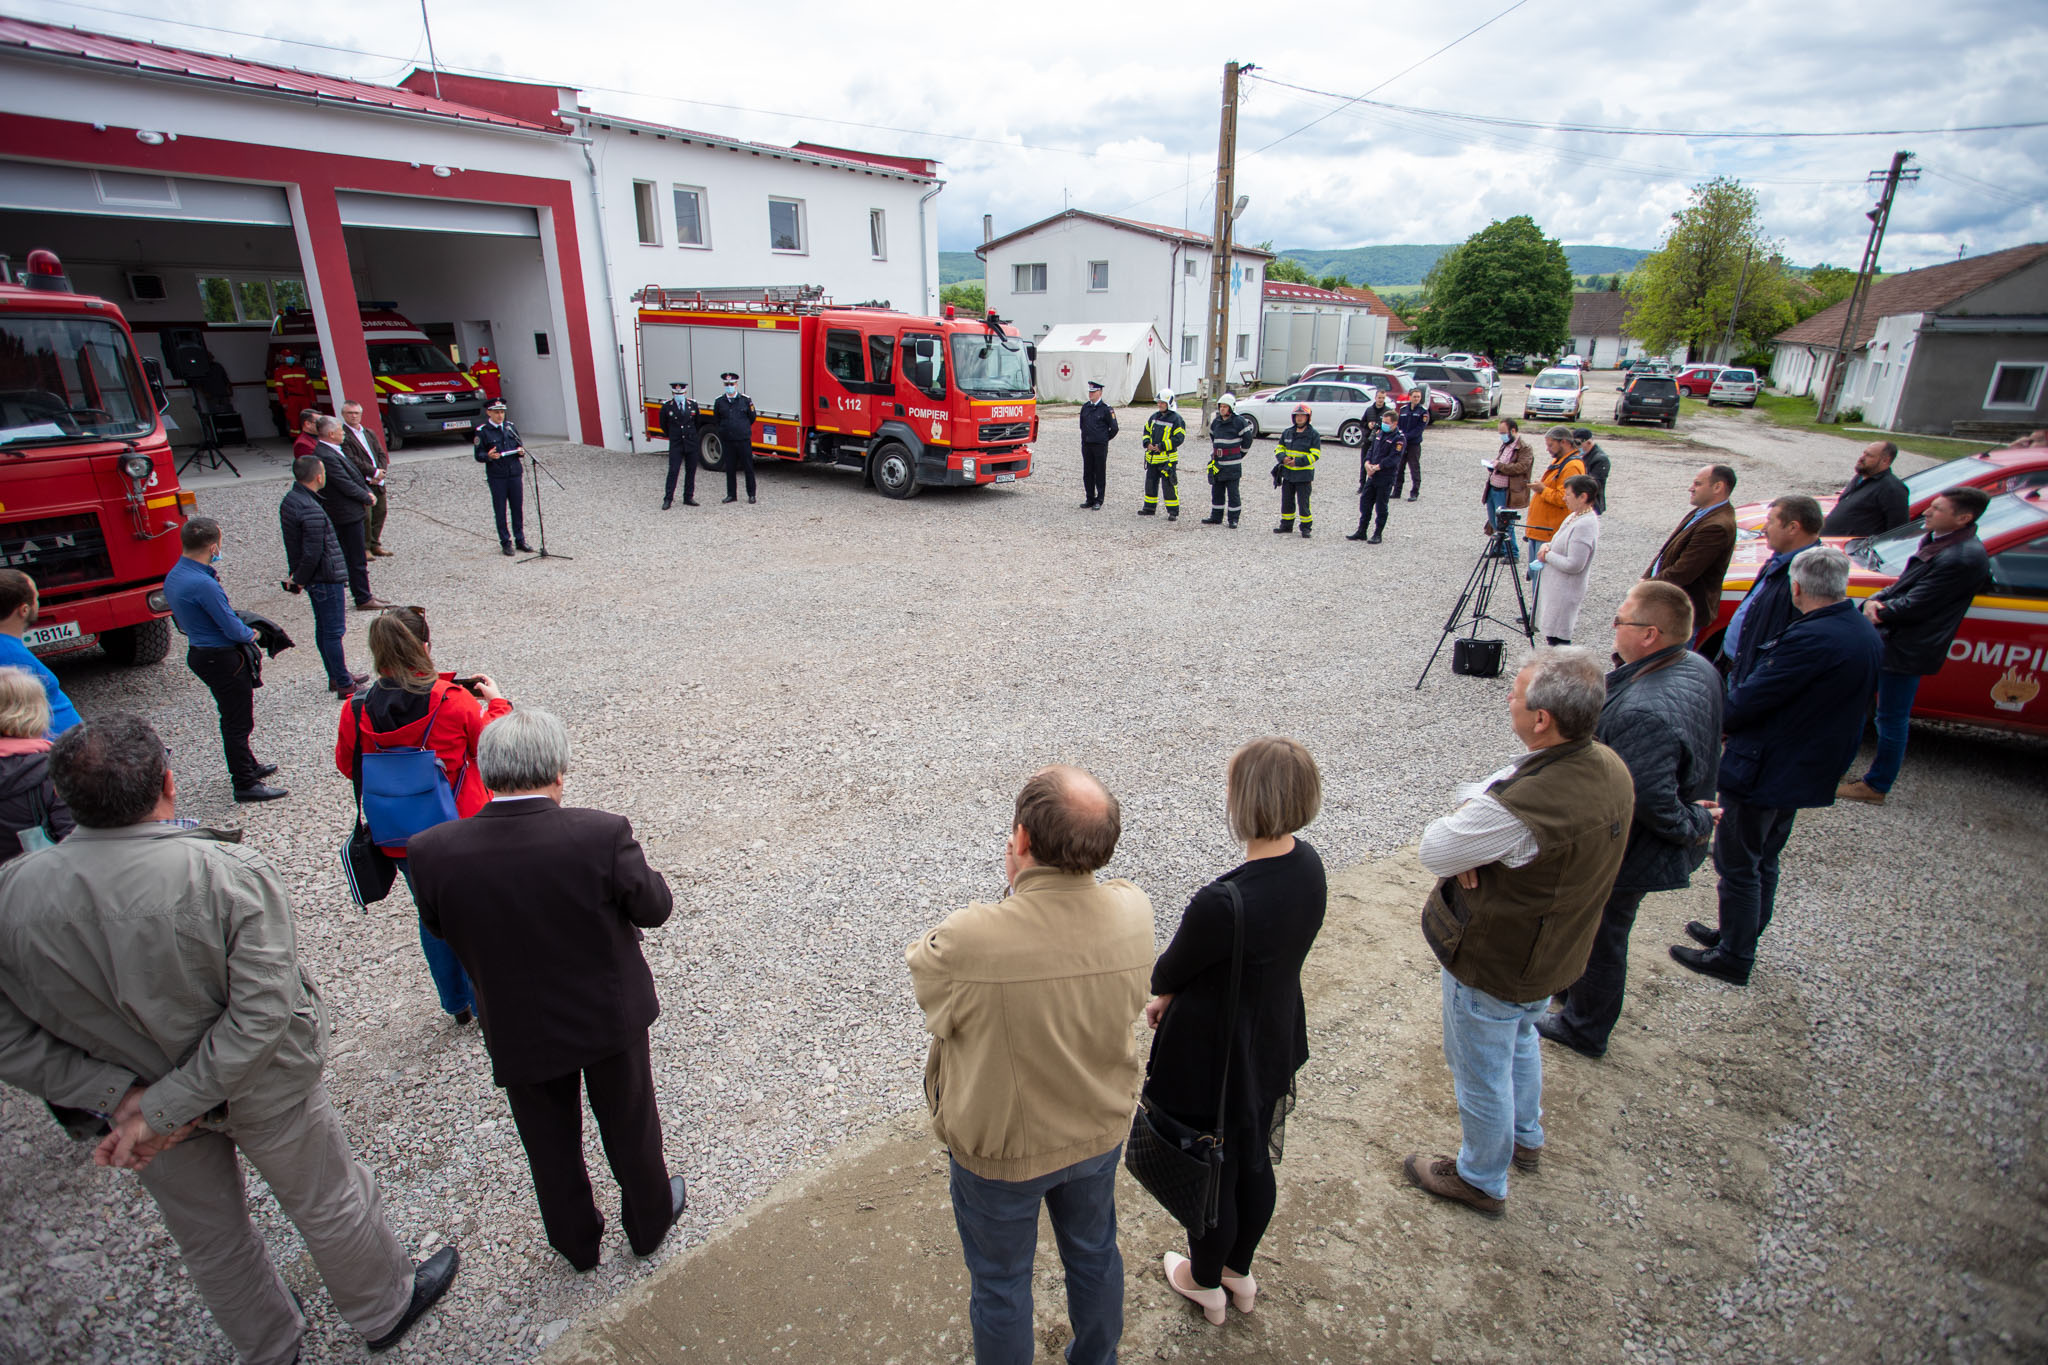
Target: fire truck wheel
<point>711,452</point>
<point>146,643</point>
<point>394,439</point>
<point>894,471</point>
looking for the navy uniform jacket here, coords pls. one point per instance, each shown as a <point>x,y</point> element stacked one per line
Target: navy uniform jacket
<point>1300,448</point>
<point>1413,421</point>
<point>1164,431</point>
<point>1385,449</point>
<point>679,425</point>
<point>1098,422</point>
<point>501,437</point>
<point>1229,438</point>
<point>1794,724</point>
<point>734,417</point>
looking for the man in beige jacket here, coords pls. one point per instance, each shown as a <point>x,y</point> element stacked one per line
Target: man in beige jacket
<point>1033,1073</point>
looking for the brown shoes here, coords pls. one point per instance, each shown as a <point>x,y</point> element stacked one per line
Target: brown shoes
<point>1859,790</point>
<point>1439,1175</point>
<point>1528,1160</point>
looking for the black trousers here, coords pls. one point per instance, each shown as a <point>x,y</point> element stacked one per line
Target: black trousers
<point>549,1115</point>
<point>508,496</point>
<point>1747,842</point>
<point>1372,501</point>
<point>739,455</point>
<point>225,672</point>
<point>355,553</point>
<point>1164,477</point>
<point>1222,486</point>
<point>1293,495</point>
<point>1245,1210</point>
<point>1592,1006</point>
<point>1411,462</point>
<point>682,458</point>
<point>1094,470</point>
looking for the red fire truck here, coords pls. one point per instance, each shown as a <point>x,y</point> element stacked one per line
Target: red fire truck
<point>89,500</point>
<point>421,391</point>
<point>910,401</point>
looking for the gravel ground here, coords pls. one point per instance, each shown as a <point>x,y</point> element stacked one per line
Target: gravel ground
<point>816,711</point>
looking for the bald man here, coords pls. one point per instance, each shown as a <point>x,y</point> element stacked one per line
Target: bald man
<point>1872,502</point>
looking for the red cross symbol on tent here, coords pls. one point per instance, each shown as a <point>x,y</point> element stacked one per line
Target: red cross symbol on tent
<point>1090,338</point>
<point>1066,371</point>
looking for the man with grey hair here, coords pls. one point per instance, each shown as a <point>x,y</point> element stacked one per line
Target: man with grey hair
<point>348,500</point>
<point>1792,725</point>
<point>1524,865</point>
<point>544,905</point>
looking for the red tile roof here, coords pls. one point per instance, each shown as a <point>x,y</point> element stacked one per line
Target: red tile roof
<point>916,165</point>
<point>1916,291</point>
<point>1308,293</point>
<point>1379,308</point>
<point>54,41</point>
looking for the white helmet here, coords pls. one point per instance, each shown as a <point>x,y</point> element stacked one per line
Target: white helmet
<point>1228,400</point>
<point>1166,397</point>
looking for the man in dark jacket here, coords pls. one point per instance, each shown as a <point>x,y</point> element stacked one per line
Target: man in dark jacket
<point>314,566</point>
<point>733,414</point>
<point>1791,527</point>
<point>1917,616</point>
<point>679,426</point>
<point>1379,474</point>
<point>1696,554</point>
<point>502,453</point>
<point>1598,466</point>
<point>1415,419</point>
<point>1791,727</point>
<point>347,498</point>
<point>1875,500</point>
<point>1098,429</point>
<point>1663,716</point>
<point>366,447</point>
<point>1230,436</point>
<point>545,906</point>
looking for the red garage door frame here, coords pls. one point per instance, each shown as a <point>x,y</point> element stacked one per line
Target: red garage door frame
<point>310,179</point>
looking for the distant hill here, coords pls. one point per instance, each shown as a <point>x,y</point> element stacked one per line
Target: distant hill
<point>955,266</point>
<point>1406,264</point>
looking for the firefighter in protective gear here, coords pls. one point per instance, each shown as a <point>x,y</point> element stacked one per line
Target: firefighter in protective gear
<point>485,373</point>
<point>1295,472</point>
<point>292,389</point>
<point>1164,432</point>
<point>1229,437</point>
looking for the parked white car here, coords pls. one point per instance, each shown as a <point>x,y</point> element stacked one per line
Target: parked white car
<point>1735,386</point>
<point>1336,411</point>
<point>1558,392</point>
<point>1572,362</point>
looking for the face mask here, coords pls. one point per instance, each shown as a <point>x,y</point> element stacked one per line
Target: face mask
<point>731,390</point>
<point>1386,426</point>
<point>218,559</point>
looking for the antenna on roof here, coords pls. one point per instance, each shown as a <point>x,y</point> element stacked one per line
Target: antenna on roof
<point>434,65</point>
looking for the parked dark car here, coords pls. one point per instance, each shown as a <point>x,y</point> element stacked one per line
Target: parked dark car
<point>1648,398</point>
<point>1514,364</point>
<point>1472,396</point>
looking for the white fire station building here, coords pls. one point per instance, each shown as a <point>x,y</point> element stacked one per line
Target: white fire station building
<point>204,194</point>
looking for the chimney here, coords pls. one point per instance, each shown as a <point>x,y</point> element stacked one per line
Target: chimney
<point>988,228</point>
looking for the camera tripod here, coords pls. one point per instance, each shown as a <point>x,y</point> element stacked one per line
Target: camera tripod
<point>540,515</point>
<point>1476,601</point>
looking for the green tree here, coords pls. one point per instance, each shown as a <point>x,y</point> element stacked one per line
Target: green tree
<point>1506,288</point>
<point>1287,270</point>
<point>969,296</point>
<point>1826,286</point>
<point>1714,260</point>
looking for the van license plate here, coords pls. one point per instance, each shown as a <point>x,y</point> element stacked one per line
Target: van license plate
<point>1004,478</point>
<point>43,636</point>
<point>461,424</point>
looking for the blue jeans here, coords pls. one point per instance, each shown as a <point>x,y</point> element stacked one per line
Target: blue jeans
<point>1498,1073</point>
<point>998,1221</point>
<point>1895,693</point>
<point>1747,843</point>
<point>451,983</point>
<point>330,624</point>
<point>1496,499</point>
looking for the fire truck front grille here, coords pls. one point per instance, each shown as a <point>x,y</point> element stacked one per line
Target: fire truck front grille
<point>57,552</point>
<point>1006,466</point>
<point>1004,431</point>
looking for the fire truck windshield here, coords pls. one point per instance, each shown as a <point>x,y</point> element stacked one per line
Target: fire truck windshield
<point>408,357</point>
<point>989,366</point>
<point>67,379</point>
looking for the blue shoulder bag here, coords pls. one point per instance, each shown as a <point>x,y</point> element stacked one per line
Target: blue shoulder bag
<point>405,790</point>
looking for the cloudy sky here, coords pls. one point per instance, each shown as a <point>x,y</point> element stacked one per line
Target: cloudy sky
<point>1035,107</point>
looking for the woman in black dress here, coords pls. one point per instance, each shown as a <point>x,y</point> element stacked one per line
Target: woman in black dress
<point>1273,790</point>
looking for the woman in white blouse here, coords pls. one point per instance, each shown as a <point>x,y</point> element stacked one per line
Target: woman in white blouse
<point>1567,557</point>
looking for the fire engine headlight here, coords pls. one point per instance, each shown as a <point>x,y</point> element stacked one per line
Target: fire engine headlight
<point>136,467</point>
<point>407,398</point>
<point>967,468</point>
<point>477,394</point>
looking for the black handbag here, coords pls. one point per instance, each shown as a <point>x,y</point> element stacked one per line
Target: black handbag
<point>369,868</point>
<point>1182,1166</point>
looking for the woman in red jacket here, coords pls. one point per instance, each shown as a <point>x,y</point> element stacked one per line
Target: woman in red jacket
<point>396,710</point>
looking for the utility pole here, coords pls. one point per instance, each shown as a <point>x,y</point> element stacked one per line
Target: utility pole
<point>1735,310</point>
<point>1227,208</point>
<point>1859,297</point>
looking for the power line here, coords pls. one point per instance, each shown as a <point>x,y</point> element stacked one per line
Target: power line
<point>1997,193</point>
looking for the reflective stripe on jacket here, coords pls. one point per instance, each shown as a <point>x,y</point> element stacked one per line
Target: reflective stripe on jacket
<point>1300,448</point>
<point>1164,431</point>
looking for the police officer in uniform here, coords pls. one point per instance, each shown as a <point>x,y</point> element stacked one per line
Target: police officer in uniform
<point>503,456</point>
<point>733,415</point>
<point>1379,474</point>
<point>1295,472</point>
<point>1164,432</point>
<point>1098,429</point>
<point>1229,436</point>
<point>679,425</point>
<point>1414,420</point>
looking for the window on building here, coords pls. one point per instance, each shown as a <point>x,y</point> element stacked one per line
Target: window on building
<point>643,213</point>
<point>2015,385</point>
<point>1244,345</point>
<point>689,216</point>
<point>882,358</point>
<point>1187,348</point>
<point>1028,279</point>
<point>289,294</point>
<point>842,357</point>
<point>1098,276</point>
<point>225,300</point>
<point>878,235</point>
<point>1192,266</point>
<point>786,225</point>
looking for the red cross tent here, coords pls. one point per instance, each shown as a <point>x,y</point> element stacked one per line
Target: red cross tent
<point>1128,358</point>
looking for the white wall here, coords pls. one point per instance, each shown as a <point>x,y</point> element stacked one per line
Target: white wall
<point>1301,332</point>
<point>1880,381</point>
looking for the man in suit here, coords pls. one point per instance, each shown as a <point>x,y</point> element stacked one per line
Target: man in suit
<point>1791,527</point>
<point>545,905</point>
<point>1875,500</point>
<point>1695,555</point>
<point>347,497</point>
<point>366,448</point>
<point>1098,429</point>
<point>503,456</point>
<point>1792,726</point>
<point>733,413</point>
<point>1918,614</point>
<point>679,425</point>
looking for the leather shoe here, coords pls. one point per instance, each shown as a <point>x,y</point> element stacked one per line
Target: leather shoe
<point>505,549</point>
<point>1550,1027</point>
<point>264,770</point>
<point>667,503</point>
<point>678,1200</point>
<point>1439,1176</point>
<point>1711,962</point>
<point>380,552</point>
<point>373,604</point>
<point>1373,539</point>
<point>1702,934</point>
<point>256,791</point>
<point>728,499</point>
<point>1528,1160</point>
<point>1356,535</point>
<point>689,502</point>
<point>430,1280</point>
<point>523,547</point>
<point>750,498</point>
<point>1859,790</point>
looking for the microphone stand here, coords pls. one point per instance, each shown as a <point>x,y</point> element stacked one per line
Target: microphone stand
<point>539,514</point>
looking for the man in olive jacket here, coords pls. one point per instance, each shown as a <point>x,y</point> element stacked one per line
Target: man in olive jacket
<point>1526,861</point>
<point>1033,1074</point>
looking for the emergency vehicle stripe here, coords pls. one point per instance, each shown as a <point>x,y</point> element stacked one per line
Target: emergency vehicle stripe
<point>402,388</point>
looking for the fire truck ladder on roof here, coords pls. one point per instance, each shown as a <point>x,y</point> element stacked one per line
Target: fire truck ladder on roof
<point>774,298</point>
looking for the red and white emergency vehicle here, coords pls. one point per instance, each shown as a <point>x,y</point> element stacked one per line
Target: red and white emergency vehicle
<point>89,500</point>
<point>912,402</point>
<point>421,391</point>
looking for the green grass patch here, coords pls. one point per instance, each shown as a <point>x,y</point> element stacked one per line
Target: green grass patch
<point>1638,432</point>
